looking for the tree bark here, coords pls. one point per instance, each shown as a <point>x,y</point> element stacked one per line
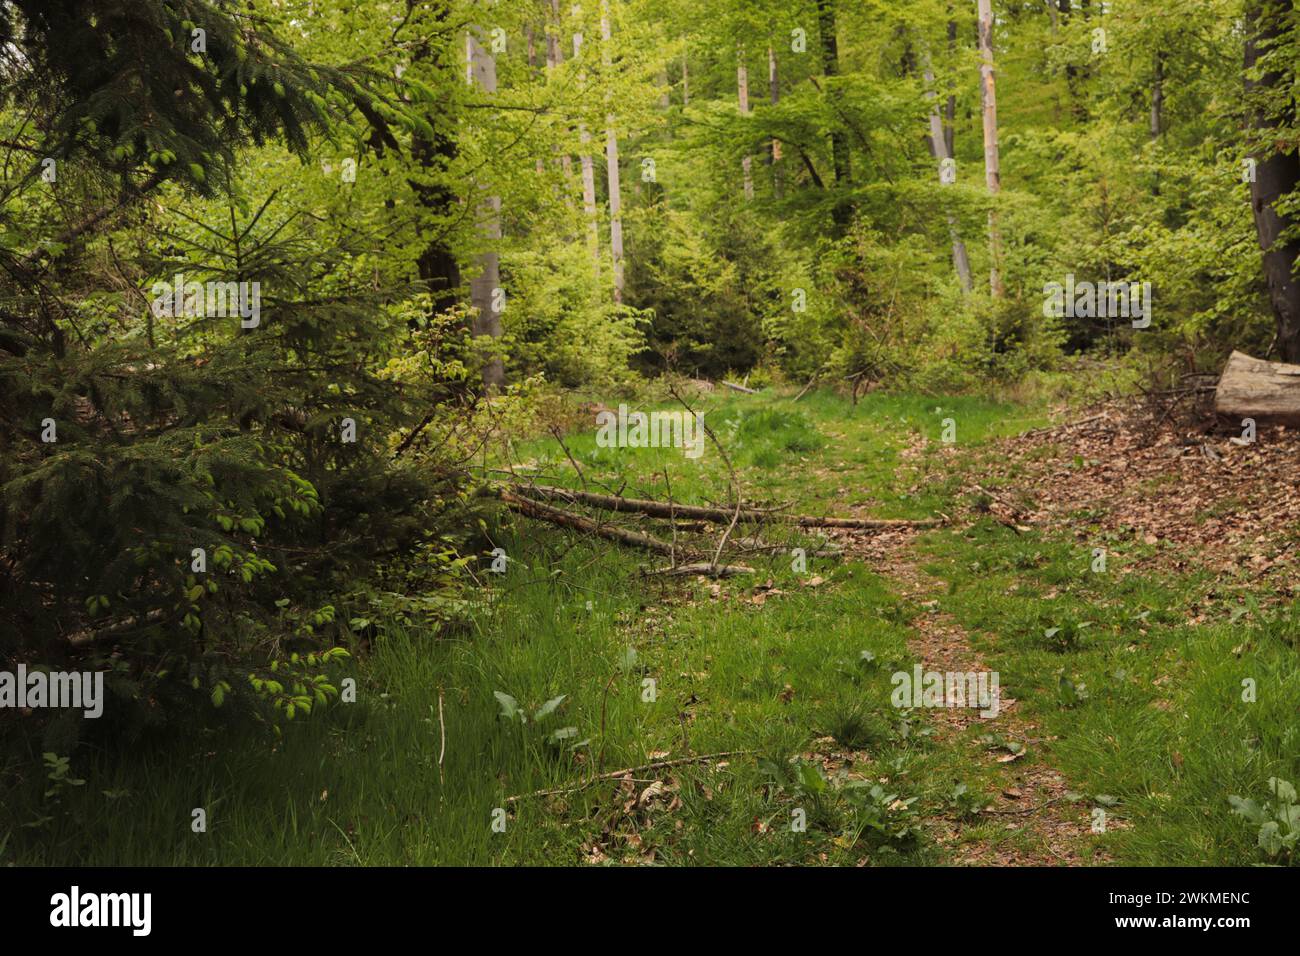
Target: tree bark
<point>842,212</point>
<point>481,68</point>
<point>774,153</point>
<point>554,57</point>
<point>941,151</point>
<point>1265,391</point>
<point>742,94</point>
<point>588,173</point>
<point>611,166</point>
<point>950,108</point>
<point>436,265</point>
<point>1158,97</point>
<point>1276,174</point>
<point>992,168</point>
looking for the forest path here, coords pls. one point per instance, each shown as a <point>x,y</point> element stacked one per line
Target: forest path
<point>1032,820</point>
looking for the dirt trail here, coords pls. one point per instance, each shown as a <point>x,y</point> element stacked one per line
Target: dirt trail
<point>1030,806</point>
<point>1031,821</point>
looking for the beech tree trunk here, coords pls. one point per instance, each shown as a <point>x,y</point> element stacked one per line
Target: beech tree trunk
<point>992,169</point>
<point>1158,97</point>
<point>554,57</point>
<point>742,92</point>
<point>950,108</point>
<point>774,88</point>
<point>1276,174</point>
<point>842,212</point>
<point>611,165</point>
<point>942,151</point>
<point>484,296</point>
<point>588,173</point>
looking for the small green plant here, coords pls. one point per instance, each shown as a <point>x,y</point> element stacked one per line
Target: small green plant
<point>58,774</point>
<point>888,817</point>
<point>966,803</point>
<point>1065,637</point>
<point>1278,820</point>
<point>558,739</point>
<point>854,726</point>
<point>1070,693</point>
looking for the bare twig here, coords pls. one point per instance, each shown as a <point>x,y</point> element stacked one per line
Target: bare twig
<point>615,774</point>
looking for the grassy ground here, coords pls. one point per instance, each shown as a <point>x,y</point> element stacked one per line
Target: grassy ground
<point>1140,712</point>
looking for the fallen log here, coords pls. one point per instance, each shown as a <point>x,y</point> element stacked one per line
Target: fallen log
<point>1253,388</point>
<point>703,567</point>
<point>664,509</point>
<point>568,519</point>
<point>741,388</point>
<point>635,539</point>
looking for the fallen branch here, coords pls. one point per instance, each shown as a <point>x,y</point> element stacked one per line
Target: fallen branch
<point>616,774</point>
<point>741,388</point>
<point>660,509</point>
<point>711,570</point>
<point>816,375</point>
<point>1065,427</point>
<point>569,519</point>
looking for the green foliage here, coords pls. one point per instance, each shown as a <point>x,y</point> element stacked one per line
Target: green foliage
<point>1278,820</point>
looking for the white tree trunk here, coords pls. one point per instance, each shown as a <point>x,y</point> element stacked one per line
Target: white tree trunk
<point>484,288</point>
<point>939,150</point>
<point>992,169</point>
<point>742,90</point>
<point>611,163</point>
<point>774,88</point>
<point>554,57</point>
<point>588,173</point>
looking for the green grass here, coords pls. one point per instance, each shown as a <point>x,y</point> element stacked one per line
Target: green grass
<point>1158,735</point>
<point>1162,726</point>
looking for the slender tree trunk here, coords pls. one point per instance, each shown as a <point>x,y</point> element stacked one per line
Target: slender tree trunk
<point>941,151</point>
<point>1077,106</point>
<point>484,288</point>
<point>1277,174</point>
<point>774,89</point>
<point>1157,109</point>
<point>1158,97</point>
<point>992,168</point>
<point>532,75</point>
<point>686,81</point>
<point>436,265</point>
<point>842,213</point>
<point>611,164</point>
<point>742,93</point>
<point>588,173</point>
<point>554,57</point>
<point>950,108</point>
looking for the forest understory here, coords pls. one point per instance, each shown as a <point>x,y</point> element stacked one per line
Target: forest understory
<point>748,719</point>
<point>651,433</point>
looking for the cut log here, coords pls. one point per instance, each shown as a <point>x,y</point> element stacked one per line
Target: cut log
<point>663,509</point>
<point>1253,388</point>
